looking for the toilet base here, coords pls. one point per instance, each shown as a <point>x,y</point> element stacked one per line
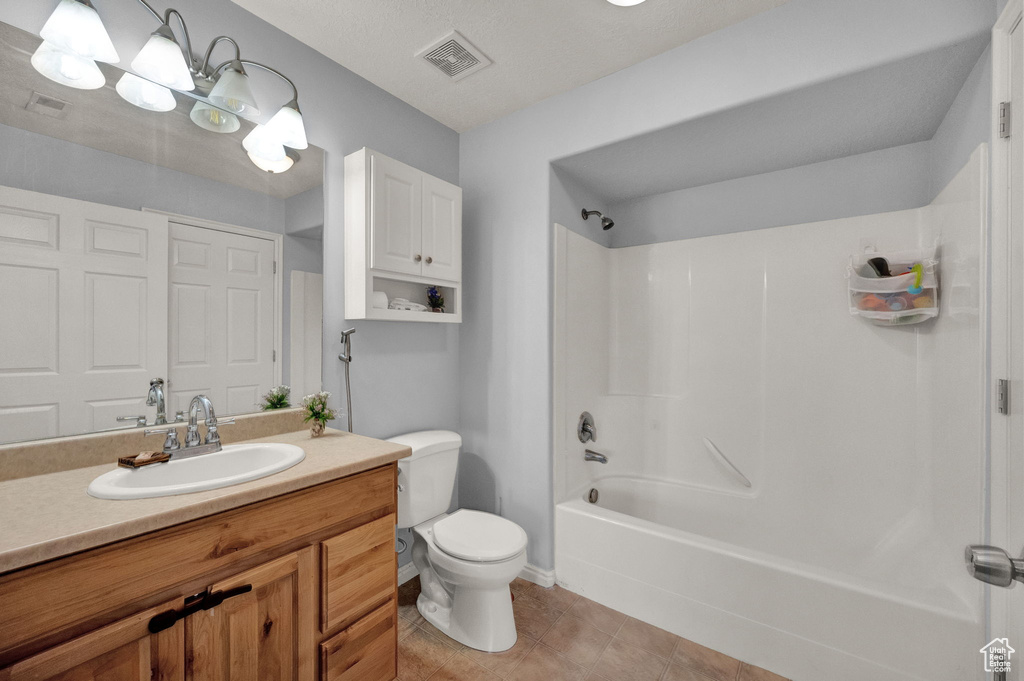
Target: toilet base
<point>479,618</point>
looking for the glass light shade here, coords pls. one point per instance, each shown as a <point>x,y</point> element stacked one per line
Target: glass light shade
<point>287,126</point>
<point>213,119</point>
<point>76,27</point>
<point>145,95</point>
<point>625,3</point>
<point>263,144</point>
<point>232,92</point>
<point>273,166</point>
<point>67,68</point>
<point>161,61</point>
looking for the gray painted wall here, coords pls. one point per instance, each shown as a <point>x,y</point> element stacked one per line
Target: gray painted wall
<point>405,376</point>
<point>506,374</point>
<point>876,182</point>
<point>909,176</point>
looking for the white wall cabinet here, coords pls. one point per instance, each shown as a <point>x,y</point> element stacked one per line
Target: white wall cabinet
<point>403,233</point>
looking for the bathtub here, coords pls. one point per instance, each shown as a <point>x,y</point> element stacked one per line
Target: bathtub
<point>666,554</point>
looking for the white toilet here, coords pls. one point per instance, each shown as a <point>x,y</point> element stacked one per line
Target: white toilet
<point>466,559</point>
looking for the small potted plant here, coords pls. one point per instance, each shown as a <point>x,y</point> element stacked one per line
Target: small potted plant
<point>435,299</point>
<point>317,412</point>
<point>276,398</point>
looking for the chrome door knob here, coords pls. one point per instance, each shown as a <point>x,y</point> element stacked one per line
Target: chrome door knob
<point>417,257</point>
<point>429,260</point>
<point>993,565</point>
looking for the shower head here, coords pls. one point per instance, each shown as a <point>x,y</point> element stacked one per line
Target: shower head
<point>606,223</point>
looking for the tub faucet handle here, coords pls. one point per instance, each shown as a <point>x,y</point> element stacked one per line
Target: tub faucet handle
<point>586,431</point>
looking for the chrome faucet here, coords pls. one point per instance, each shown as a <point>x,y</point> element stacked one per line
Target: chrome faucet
<point>156,399</point>
<point>591,455</point>
<point>192,446</point>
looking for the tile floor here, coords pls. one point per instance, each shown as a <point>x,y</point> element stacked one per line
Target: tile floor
<point>562,637</point>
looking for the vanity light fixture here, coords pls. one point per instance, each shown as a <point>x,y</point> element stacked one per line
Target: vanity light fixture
<point>625,3</point>
<point>290,158</point>
<point>209,117</point>
<point>145,95</point>
<point>232,91</point>
<point>162,61</point>
<point>74,38</point>
<point>76,27</point>
<point>67,68</point>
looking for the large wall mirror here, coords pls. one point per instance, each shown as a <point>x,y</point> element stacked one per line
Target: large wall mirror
<point>136,245</point>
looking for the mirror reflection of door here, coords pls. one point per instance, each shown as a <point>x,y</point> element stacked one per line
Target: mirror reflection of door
<point>224,298</point>
<point>83,313</point>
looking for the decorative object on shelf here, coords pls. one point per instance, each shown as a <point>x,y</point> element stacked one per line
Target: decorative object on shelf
<point>74,39</point>
<point>317,412</point>
<point>276,398</point>
<point>894,289</point>
<point>435,299</point>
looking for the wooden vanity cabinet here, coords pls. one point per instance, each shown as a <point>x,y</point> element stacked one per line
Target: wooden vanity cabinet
<point>312,584</point>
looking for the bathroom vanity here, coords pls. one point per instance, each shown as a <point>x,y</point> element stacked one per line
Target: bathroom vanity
<point>288,577</point>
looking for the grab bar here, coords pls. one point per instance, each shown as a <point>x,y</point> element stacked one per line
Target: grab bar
<point>710,446</point>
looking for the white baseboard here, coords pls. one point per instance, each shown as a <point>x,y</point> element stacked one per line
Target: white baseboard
<point>532,573</point>
<point>406,572</point>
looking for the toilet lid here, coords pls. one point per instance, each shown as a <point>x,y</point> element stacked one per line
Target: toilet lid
<point>478,536</point>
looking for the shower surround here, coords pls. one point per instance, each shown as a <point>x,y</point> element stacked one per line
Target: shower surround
<point>864,445</point>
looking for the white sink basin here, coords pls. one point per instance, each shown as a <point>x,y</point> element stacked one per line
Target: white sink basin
<point>232,465</point>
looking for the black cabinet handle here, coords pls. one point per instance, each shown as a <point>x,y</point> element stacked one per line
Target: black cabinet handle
<point>204,601</point>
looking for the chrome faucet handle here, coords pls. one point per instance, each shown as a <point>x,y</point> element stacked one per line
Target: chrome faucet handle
<point>192,435</point>
<point>212,436</point>
<point>171,443</point>
<point>179,417</point>
<point>140,421</point>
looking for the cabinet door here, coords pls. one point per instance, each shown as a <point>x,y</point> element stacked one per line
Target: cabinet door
<point>264,635</point>
<point>122,651</point>
<point>442,229</point>
<point>395,216</point>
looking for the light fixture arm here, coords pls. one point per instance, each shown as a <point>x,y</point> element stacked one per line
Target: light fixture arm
<point>209,53</point>
<point>187,47</point>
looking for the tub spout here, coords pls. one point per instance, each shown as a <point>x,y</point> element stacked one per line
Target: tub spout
<point>591,455</point>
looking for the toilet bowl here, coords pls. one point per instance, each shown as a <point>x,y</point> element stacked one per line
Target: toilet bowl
<point>465,559</point>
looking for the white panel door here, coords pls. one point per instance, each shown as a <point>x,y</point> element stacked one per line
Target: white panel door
<point>442,229</point>
<point>395,216</point>
<point>222,318</point>
<point>83,313</point>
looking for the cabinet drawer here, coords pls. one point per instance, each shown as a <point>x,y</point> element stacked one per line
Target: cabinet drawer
<point>366,651</point>
<point>358,572</point>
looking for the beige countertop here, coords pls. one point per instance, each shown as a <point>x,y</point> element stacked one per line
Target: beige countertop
<point>43,517</point>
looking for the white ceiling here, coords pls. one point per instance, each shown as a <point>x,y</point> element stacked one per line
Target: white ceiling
<point>539,48</point>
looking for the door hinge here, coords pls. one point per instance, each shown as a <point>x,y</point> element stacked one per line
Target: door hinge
<point>1003,396</point>
<point>275,267</point>
<point>274,353</point>
<point>1005,111</point>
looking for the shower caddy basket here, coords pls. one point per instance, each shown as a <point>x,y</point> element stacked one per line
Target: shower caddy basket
<point>906,298</point>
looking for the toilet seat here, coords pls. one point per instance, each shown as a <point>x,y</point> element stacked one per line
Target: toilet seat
<point>479,537</point>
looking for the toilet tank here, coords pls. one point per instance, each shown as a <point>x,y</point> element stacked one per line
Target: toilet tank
<point>426,479</point>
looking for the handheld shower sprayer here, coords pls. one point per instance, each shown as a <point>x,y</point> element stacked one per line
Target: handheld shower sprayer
<point>606,222</point>
<point>346,357</point>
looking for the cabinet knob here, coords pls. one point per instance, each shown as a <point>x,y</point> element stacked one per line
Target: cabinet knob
<point>418,257</point>
<point>429,260</point>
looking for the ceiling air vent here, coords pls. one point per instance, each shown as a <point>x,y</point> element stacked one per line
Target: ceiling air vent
<point>48,106</point>
<point>455,56</point>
